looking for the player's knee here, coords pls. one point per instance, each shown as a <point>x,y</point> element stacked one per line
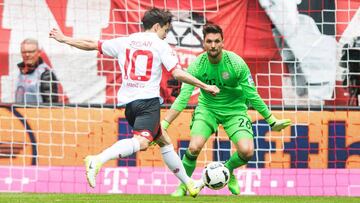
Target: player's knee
<point>245,149</point>
<point>144,146</point>
<point>144,143</point>
<point>194,149</point>
<point>246,153</point>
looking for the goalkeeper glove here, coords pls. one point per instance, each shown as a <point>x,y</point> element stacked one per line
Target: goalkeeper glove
<point>277,125</point>
<point>165,124</point>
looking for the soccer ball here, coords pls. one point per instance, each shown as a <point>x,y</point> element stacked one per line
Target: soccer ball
<point>215,175</point>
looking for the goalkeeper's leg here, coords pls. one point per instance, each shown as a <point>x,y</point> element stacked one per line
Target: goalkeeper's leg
<point>244,152</point>
<point>242,137</point>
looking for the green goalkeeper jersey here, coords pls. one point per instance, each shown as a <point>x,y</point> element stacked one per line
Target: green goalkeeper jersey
<point>232,76</point>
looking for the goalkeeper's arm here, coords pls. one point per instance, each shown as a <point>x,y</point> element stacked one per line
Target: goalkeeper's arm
<point>255,100</point>
<point>171,115</point>
<point>178,106</point>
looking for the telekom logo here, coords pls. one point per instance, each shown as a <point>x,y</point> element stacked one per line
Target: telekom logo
<point>115,177</point>
<point>248,179</point>
<point>118,177</point>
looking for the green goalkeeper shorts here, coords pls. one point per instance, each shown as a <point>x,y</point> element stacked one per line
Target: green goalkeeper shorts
<point>205,122</point>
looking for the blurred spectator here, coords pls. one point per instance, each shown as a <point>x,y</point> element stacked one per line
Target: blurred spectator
<point>36,81</point>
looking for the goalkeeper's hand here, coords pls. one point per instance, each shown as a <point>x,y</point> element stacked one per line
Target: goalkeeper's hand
<point>276,124</point>
<point>165,124</point>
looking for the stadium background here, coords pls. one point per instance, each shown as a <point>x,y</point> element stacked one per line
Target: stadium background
<point>42,147</point>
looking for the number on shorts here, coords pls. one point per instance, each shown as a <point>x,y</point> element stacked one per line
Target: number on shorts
<point>244,123</point>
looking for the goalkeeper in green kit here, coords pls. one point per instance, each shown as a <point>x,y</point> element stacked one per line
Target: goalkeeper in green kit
<point>229,108</point>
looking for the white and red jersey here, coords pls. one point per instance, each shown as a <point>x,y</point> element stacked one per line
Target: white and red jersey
<point>140,56</point>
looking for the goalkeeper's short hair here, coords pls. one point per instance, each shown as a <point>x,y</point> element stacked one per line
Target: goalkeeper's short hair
<point>212,28</point>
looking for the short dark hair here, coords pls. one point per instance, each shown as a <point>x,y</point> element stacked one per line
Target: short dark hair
<point>212,28</point>
<point>155,15</point>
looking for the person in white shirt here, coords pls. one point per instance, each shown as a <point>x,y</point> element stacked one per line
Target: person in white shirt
<point>141,56</point>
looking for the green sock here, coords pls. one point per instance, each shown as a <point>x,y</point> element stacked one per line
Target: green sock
<point>234,162</point>
<point>189,162</point>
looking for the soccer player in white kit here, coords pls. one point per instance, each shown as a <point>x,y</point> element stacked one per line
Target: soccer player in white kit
<point>141,56</point>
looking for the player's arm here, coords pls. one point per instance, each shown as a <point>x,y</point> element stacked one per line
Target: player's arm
<point>84,44</point>
<point>185,77</point>
<point>170,62</point>
<point>257,102</point>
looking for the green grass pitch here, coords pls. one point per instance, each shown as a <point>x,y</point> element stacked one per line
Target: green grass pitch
<point>122,198</point>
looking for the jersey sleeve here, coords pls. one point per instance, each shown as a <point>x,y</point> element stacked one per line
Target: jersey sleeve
<point>168,57</point>
<point>111,47</point>
<point>250,92</point>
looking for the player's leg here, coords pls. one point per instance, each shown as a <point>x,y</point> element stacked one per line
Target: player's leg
<point>171,158</point>
<point>202,126</point>
<point>173,162</point>
<point>197,142</point>
<point>122,148</point>
<point>139,115</point>
<point>244,152</point>
<point>240,132</point>
<point>151,120</point>
<point>189,161</point>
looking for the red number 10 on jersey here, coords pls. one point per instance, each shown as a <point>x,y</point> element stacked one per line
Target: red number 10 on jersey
<point>130,67</point>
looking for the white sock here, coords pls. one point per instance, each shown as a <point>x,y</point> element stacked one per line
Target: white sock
<point>122,148</point>
<point>173,162</point>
